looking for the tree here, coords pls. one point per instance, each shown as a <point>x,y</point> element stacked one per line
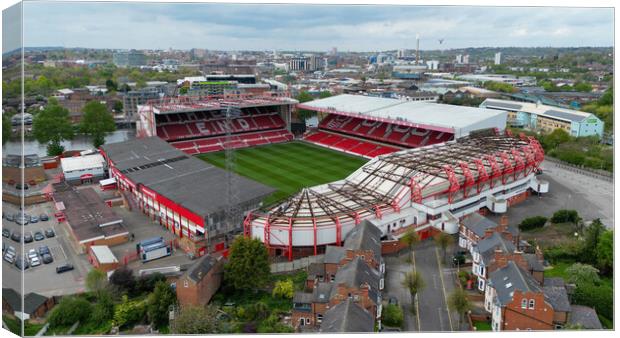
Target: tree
<point>582,273</point>
<point>444,240</point>
<point>555,138</point>
<point>459,303</point>
<point>52,126</point>
<point>592,236</point>
<point>6,128</point>
<point>96,281</point>
<point>123,280</point>
<point>248,265</point>
<point>413,282</point>
<point>410,238</point>
<point>97,122</point>
<point>564,216</point>
<point>284,289</point>
<point>111,85</point>
<point>392,315</point>
<point>304,96</point>
<point>196,320</point>
<point>324,94</point>
<point>128,312</point>
<point>272,325</point>
<point>605,252</point>
<point>70,310</point>
<point>158,303</point>
<point>103,310</point>
<point>118,106</point>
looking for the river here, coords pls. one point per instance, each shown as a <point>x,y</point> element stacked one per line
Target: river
<point>80,142</point>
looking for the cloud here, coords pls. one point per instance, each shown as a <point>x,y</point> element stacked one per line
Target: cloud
<point>309,27</point>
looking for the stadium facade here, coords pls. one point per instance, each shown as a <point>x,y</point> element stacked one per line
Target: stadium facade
<point>428,188</point>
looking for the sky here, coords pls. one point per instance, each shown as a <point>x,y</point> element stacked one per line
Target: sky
<point>310,27</point>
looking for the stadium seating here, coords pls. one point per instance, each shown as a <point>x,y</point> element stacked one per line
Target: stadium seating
<point>212,144</point>
<point>348,144</point>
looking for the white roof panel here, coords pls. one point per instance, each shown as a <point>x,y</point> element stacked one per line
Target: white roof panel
<point>103,254</point>
<point>81,162</point>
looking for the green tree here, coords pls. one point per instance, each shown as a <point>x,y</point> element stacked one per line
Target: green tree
<point>324,94</point>
<point>444,240</point>
<point>96,281</point>
<point>103,310</point>
<point>284,289</point>
<point>97,122</point>
<point>605,252</point>
<point>600,297</point>
<point>196,320</point>
<point>123,281</point>
<point>118,106</point>
<point>248,265</point>
<point>459,303</point>
<point>582,87</point>
<point>6,128</point>
<point>592,237</point>
<point>70,310</point>
<point>564,216</point>
<point>52,126</point>
<point>392,315</point>
<point>413,282</point>
<point>582,273</point>
<point>410,238</point>
<point>272,325</point>
<point>158,304</point>
<point>304,96</point>
<point>555,138</point>
<point>128,312</point>
<point>111,85</point>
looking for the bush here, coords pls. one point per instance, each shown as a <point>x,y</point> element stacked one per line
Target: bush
<point>393,315</point>
<point>599,297</point>
<point>532,223</point>
<point>69,311</point>
<point>129,312</point>
<point>284,289</point>
<point>146,284</point>
<point>566,252</point>
<point>565,216</point>
<point>123,280</point>
<point>103,310</point>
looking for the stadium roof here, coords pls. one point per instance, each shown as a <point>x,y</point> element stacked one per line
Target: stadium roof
<point>422,114</point>
<point>558,113</point>
<point>192,183</point>
<point>186,104</point>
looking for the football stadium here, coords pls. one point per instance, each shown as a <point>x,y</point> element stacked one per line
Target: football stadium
<point>399,164</point>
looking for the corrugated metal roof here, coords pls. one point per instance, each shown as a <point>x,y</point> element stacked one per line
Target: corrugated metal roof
<point>564,115</point>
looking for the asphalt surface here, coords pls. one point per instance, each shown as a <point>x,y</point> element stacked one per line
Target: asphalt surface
<point>396,268</point>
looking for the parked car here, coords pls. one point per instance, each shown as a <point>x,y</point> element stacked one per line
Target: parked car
<point>9,257</point>
<point>43,249</point>
<point>49,232</point>
<point>35,261</point>
<point>32,253</point>
<point>47,258</point>
<point>6,233</point>
<point>34,219</point>
<point>22,219</point>
<point>10,217</point>
<point>44,217</point>
<point>21,263</point>
<point>16,236</point>
<point>64,268</point>
<point>28,237</point>
<point>38,236</point>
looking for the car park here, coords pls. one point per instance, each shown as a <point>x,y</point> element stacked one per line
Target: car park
<point>28,237</point>
<point>35,261</point>
<point>10,217</point>
<point>64,268</point>
<point>6,233</point>
<point>34,219</point>
<point>38,236</point>
<point>44,217</point>
<point>16,236</point>
<point>47,258</point>
<point>49,232</point>
<point>43,249</point>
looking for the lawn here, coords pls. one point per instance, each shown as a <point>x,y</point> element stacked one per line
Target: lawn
<point>482,326</point>
<point>289,167</point>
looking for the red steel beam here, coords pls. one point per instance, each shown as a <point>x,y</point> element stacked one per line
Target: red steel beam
<point>290,239</point>
<point>454,182</point>
<point>520,164</point>
<point>314,228</point>
<point>469,178</point>
<point>483,176</point>
<point>508,168</point>
<point>495,172</point>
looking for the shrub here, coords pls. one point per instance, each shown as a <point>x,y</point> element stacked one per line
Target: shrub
<point>532,223</point>
<point>103,310</point>
<point>599,297</point>
<point>582,274</point>
<point>566,252</point>
<point>284,289</point>
<point>564,216</point>
<point>129,312</point>
<point>393,315</point>
<point>69,311</point>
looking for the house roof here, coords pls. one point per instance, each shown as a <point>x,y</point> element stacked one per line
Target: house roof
<point>13,298</point>
<point>303,297</point>
<point>510,278</point>
<point>554,281</point>
<point>534,262</point>
<point>478,224</point>
<point>32,301</point>
<point>322,292</point>
<point>357,272</point>
<point>347,317</point>
<point>364,236</point>
<point>584,316</point>
<point>557,297</point>
<point>333,254</point>
<point>197,271</point>
<point>316,269</point>
<point>486,247</point>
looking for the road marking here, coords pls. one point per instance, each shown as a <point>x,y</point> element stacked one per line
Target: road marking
<point>440,318</point>
<point>443,288</point>
<point>417,303</point>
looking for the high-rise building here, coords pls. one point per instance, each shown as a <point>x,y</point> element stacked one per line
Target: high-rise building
<point>498,58</point>
<point>131,58</point>
<point>312,63</point>
<point>466,59</point>
<point>459,58</point>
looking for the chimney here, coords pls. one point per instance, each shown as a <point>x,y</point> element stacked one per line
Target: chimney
<point>488,233</point>
<point>503,220</point>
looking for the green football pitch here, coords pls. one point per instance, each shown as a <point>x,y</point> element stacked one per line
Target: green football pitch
<point>289,167</point>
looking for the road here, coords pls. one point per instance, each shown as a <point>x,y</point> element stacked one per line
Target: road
<point>396,268</point>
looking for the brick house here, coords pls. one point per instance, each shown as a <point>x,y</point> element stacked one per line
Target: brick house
<point>35,305</point>
<point>519,302</point>
<point>472,229</point>
<point>347,316</point>
<point>484,252</point>
<point>200,282</point>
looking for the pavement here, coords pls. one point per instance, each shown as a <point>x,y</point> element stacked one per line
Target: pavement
<point>396,269</point>
<point>591,197</point>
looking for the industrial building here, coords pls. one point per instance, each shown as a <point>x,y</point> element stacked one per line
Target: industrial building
<point>547,118</point>
<point>83,169</point>
<point>187,196</point>
<point>428,188</point>
<point>370,126</point>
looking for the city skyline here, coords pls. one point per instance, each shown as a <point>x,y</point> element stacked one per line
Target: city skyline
<point>309,27</point>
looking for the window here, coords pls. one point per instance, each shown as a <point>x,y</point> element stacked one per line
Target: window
<point>524,303</point>
<point>319,318</point>
<point>185,284</point>
<point>531,304</point>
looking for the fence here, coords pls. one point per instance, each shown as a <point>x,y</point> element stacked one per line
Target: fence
<point>297,264</point>
<point>600,174</point>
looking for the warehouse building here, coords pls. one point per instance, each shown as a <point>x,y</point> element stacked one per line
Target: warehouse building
<point>83,169</point>
<point>547,118</point>
<point>187,196</point>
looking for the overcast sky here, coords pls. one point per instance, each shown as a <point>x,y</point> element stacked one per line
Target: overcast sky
<point>310,27</point>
